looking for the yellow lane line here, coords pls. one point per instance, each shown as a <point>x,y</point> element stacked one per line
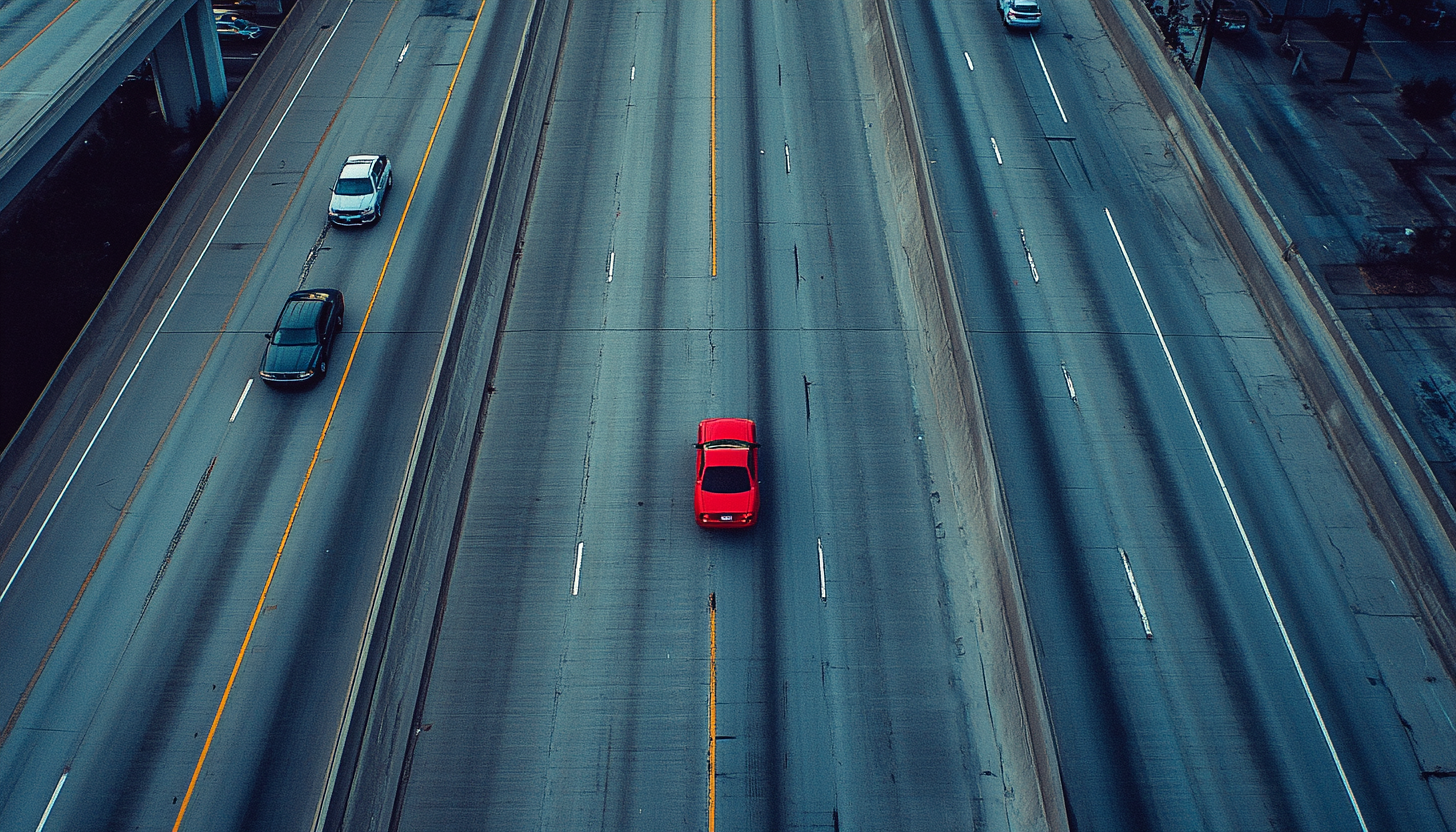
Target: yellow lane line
<point>1380,60</point>
<point>38,34</point>
<point>328,420</point>
<point>713,142</point>
<point>712,605</point>
<point>712,710</point>
<point>713,242</point>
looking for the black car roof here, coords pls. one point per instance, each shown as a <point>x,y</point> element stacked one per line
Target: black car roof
<point>303,309</point>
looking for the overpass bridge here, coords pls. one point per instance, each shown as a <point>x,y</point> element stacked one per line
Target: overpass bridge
<point>60,59</point>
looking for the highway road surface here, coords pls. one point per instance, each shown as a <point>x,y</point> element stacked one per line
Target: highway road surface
<point>458,585</point>
<point>1223,638</point>
<point>189,577</point>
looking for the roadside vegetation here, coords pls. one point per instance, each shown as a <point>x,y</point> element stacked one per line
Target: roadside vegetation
<point>1429,101</point>
<point>1174,23</point>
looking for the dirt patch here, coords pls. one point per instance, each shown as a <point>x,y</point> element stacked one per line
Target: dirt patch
<point>1398,279</point>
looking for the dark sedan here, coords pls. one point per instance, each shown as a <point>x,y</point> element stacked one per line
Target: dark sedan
<point>299,346</point>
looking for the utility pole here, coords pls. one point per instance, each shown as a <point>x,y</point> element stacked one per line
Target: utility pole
<point>1205,40</point>
<point>1359,40</point>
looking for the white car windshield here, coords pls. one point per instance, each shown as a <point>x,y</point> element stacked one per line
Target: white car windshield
<point>354,187</point>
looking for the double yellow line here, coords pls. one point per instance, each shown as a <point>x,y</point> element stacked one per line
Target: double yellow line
<point>318,447</point>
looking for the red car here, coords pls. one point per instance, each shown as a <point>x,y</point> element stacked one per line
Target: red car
<point>726,494</point>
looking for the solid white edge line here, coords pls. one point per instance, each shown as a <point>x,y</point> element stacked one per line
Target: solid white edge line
<point>1243,535</point>
<point>1437,191</point>
<point>1438,145</point>
<point>147,348</point>
<point>1397,141</point>
<point>241,399</point>
<point>576,577</point>
<point>819,543</point>
<point>1048,77</point>
<point>52,804</point>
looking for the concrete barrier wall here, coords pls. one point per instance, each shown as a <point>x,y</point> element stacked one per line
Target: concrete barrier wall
<point>1013,679</point>
<point>1407,507</point>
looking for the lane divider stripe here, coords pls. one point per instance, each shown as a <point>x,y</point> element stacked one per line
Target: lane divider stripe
<point>713,144</point>
<point>1048,77</point>
<point>712,710</point>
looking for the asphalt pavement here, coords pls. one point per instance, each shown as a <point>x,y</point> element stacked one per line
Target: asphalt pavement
<point>1351,176</point>
<point>839,664</point>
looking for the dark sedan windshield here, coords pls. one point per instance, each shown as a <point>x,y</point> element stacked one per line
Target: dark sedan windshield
<point>295,337</point>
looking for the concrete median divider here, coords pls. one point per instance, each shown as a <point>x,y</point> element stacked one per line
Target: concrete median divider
<point>1032,778</point>
<point>1405,502</point>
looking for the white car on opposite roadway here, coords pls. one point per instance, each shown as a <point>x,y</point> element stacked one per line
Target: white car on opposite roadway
<point>1020,14</point>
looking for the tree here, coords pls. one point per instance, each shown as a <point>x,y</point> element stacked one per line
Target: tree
<point>1428,100</point>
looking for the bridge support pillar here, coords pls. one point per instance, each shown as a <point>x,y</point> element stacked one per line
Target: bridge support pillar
<point>187,65</point>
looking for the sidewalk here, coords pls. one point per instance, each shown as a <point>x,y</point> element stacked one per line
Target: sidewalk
<point>1348,173</point>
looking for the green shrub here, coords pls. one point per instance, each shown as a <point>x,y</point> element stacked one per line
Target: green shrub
<point>1428,100</point>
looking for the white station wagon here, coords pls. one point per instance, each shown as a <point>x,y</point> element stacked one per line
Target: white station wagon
<point>358,195</point>
<point>1020,14</point>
